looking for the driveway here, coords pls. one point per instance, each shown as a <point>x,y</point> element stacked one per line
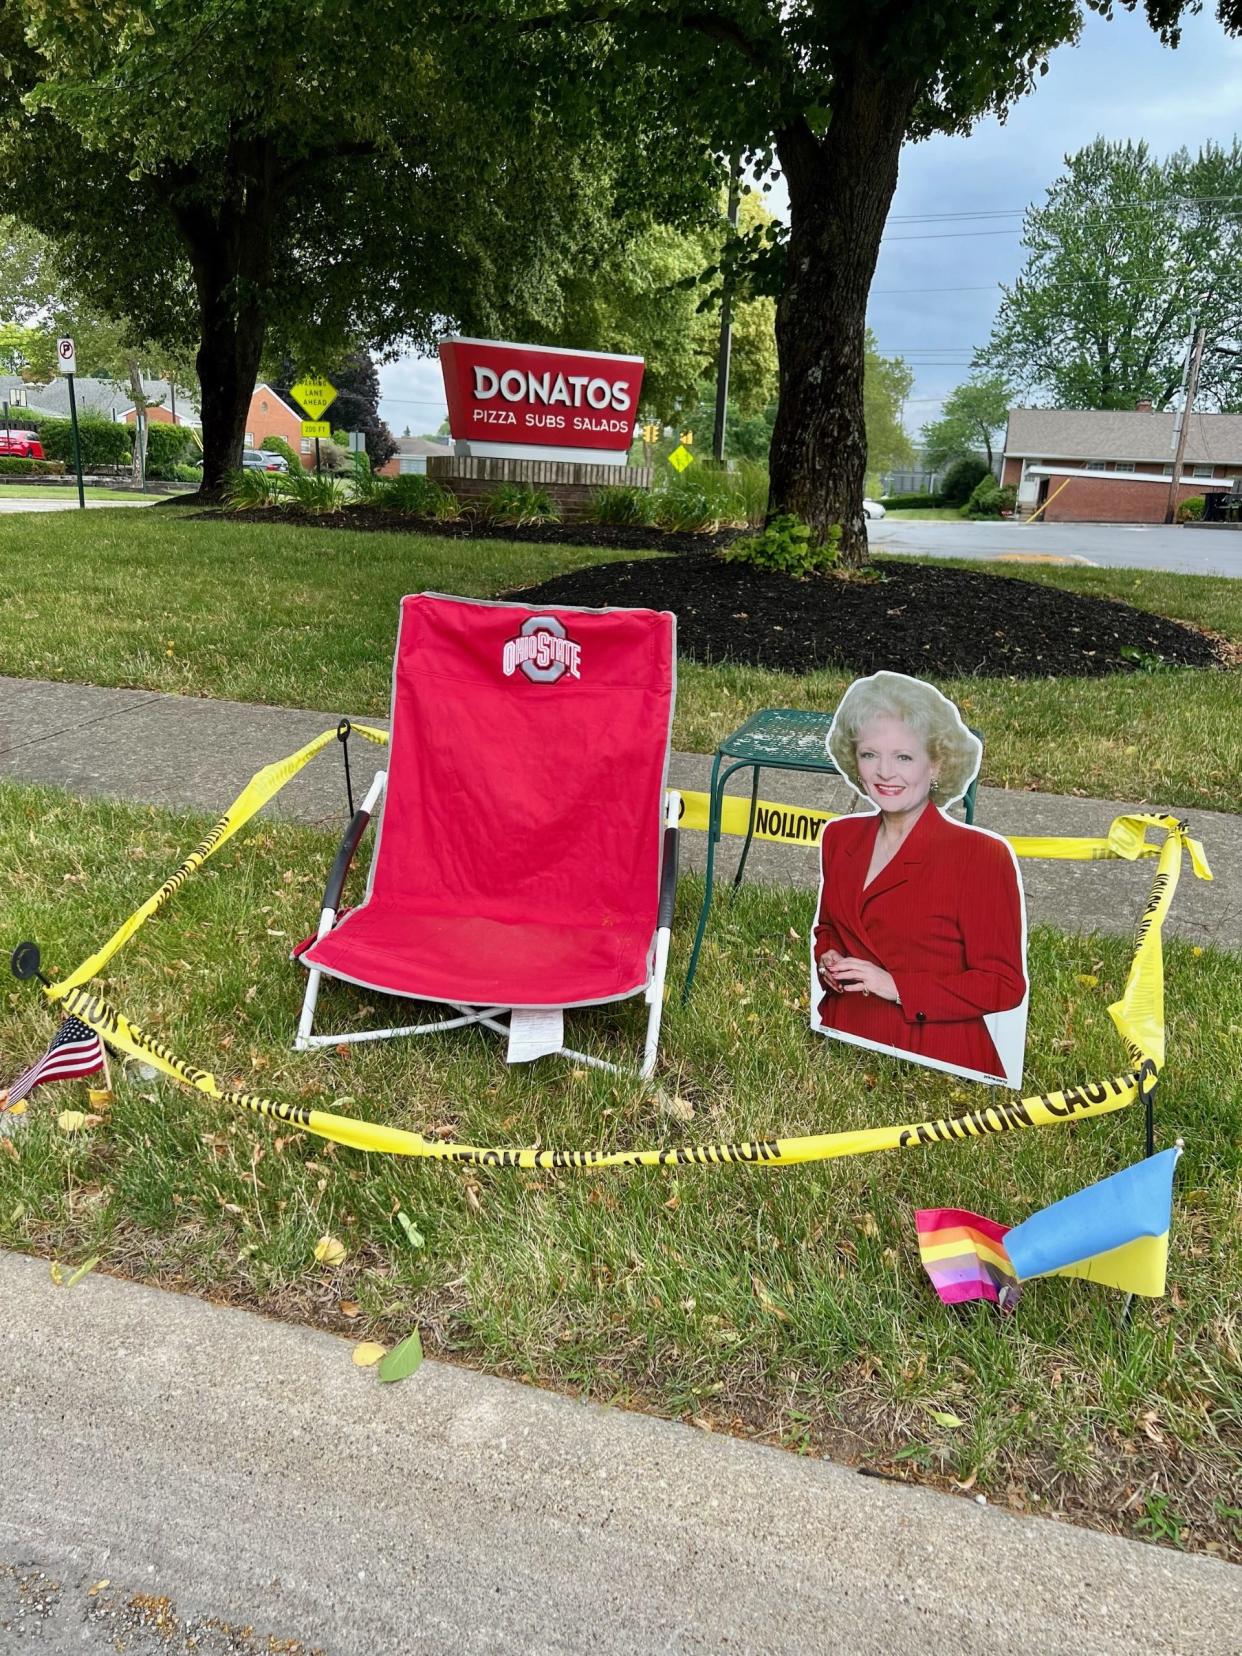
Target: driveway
<point>1132,546</point>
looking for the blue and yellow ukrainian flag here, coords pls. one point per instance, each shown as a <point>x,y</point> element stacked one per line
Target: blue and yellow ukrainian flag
<point>1115,1232</point>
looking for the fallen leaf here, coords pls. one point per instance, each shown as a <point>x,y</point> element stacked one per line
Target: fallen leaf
<point>84,1269</point>
<point>99,1587</point>
<point>413,1235</point>
<point>19,1108</point>
<point>1088,979</point>
<point>868,1226</point>
<point>403,1359</point>
<point>57,1275</point>
<point>367,1353</point>
<point>472,1197</point>
<point>768,1303</point>
<point>942,1417</point>
<point>10,1149</point>
<point>71,1121</point>
<point>349,1308</point>
<point>328,1251</point>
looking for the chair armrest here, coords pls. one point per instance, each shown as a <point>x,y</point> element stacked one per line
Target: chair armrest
<point>668,880</point>
<point>350,841</point>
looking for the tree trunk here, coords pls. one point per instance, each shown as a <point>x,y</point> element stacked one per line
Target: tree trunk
<point>230,254</point>
<point>138,468</point>
<point>840,188</point>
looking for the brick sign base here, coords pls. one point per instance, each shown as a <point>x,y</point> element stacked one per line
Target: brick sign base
<point>569,484</point>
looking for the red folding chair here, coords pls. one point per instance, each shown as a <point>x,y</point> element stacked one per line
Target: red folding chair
<point>526,856</point>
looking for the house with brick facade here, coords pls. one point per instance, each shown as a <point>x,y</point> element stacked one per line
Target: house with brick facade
<point>1115,466</point>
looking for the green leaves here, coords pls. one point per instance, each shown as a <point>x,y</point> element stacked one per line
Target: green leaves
<point>403,1360</point>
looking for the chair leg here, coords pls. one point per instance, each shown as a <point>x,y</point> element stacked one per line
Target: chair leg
<point>655,995</point>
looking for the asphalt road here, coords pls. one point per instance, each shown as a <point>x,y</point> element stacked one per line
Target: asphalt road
<point>1113,546</point>
<point>218,1465</point>
<point>69,503</point>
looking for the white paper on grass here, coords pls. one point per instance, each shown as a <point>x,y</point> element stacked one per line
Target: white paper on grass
<point>535,1033</point>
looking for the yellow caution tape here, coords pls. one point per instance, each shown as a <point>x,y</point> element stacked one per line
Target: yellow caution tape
<point>1138,1015</point>
<point>262,786</point>
<point>1003,1116</point>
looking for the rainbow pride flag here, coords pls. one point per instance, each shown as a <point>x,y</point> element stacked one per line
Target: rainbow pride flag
<point>964,1255</point>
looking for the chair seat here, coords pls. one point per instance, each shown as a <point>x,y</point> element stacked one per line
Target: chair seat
<point>478,961</point>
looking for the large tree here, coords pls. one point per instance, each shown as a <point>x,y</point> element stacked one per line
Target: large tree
<point>830,90</point>
<point>1126,258</point>
<point>302,176</point>
<point>970,417</point>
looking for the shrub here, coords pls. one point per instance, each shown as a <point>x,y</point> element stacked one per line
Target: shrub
<point>103,442</point>
<point>1008,498</point>
<point>785,547</point>
<point>686,507</point>
<point>167,446</point>
<point>187,474</point>
<point>277,445</point>
<point>961,480</point>
<point>913,502</point>
<point>17,465</point>
<point>519,504</point>
<point>1191,509</point>
<point>246,490</point>
<point>416,495</point>
<point>620,504</point>
<point>985,499</point>
<point>307,493</point>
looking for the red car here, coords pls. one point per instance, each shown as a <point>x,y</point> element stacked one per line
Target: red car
<point>24,444</point>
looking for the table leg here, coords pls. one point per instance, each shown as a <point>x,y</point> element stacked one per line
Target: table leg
<point>713,834</point>
<point>750,827</point>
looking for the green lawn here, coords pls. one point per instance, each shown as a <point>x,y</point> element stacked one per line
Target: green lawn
<point>923,514</point>
<point>788,1305</point>
<point>302,617</point>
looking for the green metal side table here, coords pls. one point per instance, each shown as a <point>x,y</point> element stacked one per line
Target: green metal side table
<point>775,738</point>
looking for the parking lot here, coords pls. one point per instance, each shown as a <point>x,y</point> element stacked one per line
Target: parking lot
<point>1138,546</point>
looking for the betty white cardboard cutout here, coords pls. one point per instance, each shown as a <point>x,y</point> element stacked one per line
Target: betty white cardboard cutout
<point>919,942</point>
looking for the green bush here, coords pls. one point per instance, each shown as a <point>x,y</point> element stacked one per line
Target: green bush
<point>167,446</point>
<point>749,487</point>
<point>518,504</point>
<point>689,506</point>
<point>16,464</point>
<point>961,480</point>
<point>415,495</point>
<point>246,490</point>
<point>186,474</point>
<point>307,493</point>
<point>913,502</point>
<point>1191,509</point>
<point>103,442</point>
<point>785,547</point>
<point>277,445</point>
<point>620,504</point>
<point>1008,498</point>
<point>989,500</point>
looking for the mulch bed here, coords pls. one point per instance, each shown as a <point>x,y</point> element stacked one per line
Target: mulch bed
<point>370,518</point>
<point>911,619</point>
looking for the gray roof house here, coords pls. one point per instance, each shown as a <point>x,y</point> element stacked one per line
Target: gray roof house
<point>108,397</point>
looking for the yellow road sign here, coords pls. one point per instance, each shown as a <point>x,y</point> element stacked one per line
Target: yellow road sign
<point>315,395</point>
<point>316,428</point>
<point>680,458</point>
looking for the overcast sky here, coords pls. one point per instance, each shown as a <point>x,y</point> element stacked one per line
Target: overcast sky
<point>1119,82</point>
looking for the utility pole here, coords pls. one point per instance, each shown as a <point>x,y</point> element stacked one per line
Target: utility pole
<point>726,325</point>
<point>1181,427</point>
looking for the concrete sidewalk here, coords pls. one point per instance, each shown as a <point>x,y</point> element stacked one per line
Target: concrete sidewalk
<point>247,1470</point>
<point>182,751</point>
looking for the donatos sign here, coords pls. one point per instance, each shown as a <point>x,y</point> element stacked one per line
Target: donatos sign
<point>540,402</point>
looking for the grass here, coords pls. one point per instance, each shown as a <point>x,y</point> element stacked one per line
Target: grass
<point>924,514</point>
<point>789,1306</point>
<point>307,617</point>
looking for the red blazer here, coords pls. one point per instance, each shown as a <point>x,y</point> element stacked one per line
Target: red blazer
<point>944,917</point>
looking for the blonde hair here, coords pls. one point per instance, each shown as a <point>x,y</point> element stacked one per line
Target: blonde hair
<point>952,749</point>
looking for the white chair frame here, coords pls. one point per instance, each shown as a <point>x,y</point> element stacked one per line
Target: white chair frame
<point>490,1016</point>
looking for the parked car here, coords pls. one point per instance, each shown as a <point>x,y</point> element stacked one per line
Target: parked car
<point>25,445</point>
<point>262,460</point>
<point>872,509</point>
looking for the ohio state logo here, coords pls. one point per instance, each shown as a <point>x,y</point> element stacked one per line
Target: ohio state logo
<point>542,651</point>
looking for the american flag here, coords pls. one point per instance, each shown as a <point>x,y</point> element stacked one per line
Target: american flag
<point>75,1050</point>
